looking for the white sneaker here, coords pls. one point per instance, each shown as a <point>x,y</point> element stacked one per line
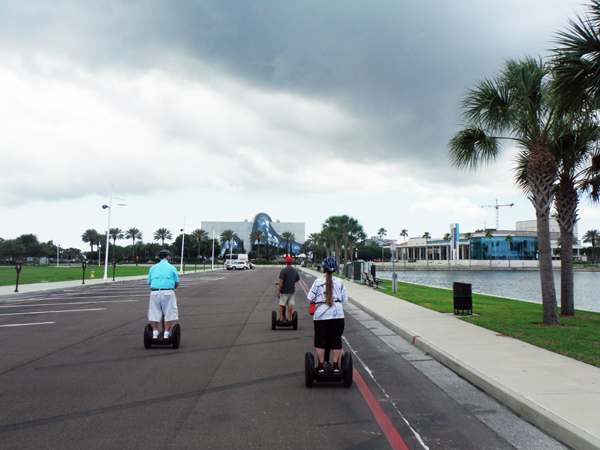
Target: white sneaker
<point>155,334</point>
<point>166,335</point>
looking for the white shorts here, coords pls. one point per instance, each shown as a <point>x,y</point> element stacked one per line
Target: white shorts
<point>163,302</point>
<point>287,299</point>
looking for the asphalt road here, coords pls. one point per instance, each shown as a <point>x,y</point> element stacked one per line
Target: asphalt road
<point>74,374</point>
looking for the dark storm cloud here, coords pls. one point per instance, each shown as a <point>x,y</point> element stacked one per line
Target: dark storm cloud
<point>401,67</point>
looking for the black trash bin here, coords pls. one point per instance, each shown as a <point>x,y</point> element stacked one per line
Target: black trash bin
<point>463,299</point>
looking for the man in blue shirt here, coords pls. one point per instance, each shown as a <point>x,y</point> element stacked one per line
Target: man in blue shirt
<point>163,279</point>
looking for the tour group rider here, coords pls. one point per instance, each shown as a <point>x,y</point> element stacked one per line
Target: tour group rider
<point>163,281</point>
<point>288,277</point>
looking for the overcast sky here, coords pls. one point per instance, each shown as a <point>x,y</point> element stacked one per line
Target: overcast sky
<point>219,110</point>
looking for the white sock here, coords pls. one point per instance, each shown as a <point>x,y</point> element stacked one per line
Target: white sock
<point>166,334</point>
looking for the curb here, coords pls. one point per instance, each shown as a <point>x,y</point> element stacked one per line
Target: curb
<point>551,423</point>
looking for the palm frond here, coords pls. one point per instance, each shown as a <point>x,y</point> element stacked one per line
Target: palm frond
<point>472,147</point>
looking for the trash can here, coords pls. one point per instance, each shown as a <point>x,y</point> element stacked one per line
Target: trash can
<point>357,271</point>
<point>463,299</point>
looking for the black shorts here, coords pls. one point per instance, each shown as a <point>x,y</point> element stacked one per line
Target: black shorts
<point>328,333</point>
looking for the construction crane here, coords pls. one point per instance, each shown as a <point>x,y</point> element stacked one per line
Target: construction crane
<point>497,206</point>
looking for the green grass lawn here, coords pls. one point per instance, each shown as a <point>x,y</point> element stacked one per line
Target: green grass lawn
<point>577,337</point>
<point>50,274</point>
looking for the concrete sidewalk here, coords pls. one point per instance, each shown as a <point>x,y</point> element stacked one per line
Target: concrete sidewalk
<point>558,394</point>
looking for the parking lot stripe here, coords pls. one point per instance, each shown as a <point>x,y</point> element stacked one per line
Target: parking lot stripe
<point>50,312</point>
<point>25,324</point>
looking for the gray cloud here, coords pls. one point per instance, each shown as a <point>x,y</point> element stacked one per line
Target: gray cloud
<point>399,68</point>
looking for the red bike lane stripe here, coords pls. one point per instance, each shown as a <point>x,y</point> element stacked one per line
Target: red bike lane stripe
<point>382,418</point>
<point>385,423</point>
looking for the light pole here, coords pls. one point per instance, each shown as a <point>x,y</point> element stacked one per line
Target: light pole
<point>57,254</point>
<point>182,241</point>
<point>212,260</point>
<point>108,231</point>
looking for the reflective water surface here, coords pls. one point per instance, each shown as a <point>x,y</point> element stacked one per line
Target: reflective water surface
<point>521,285</point>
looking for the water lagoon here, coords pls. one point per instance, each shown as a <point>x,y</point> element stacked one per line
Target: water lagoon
<point>520,285</point>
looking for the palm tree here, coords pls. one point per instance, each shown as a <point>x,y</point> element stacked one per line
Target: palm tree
<point>90,236</point>
<point>314,240</point>
<point>426,236</point>
<point>404,233</point>
<point>162,234</point>
<point>199,235</point>
<point>115,233</point>
<point>332,236</point>
<point>447,238</point>
<point>576,63</point>
<point>381,233</point>
<point>510,240</point>
<point>516,105</point>
<point>593,237</point>
<point>256,236</point>
<point>288,237</point>
<point>133,234</point>
<point>354,234</point>
<point>468,237</point>
<point>228,236</point>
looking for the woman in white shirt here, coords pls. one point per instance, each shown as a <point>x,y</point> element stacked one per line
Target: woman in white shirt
<point>328,293</point>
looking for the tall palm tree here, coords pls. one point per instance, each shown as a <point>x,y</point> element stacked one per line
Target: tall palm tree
<point>90,236</point>
<point>510,240</point>
<point>447,238</point>
<point>314,240</point>
<point>199,234</point>
<point>228,236</point>
<point>381,233</point>
<point>115,233</point>
<point>332,234</point>
<point>162,234</point>
<point>517,105</point>
<point>576,63</point>
<point>354,233</point>
<point>468,237</point>
<point>256,236</point>
<point>288,237</point>
<point>404,234</point>
<point>426,236</point>
<point>133,234</point>
<point>593,237</point>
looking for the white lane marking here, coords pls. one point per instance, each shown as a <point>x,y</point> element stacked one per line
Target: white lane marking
<point>385,393</point>
<point>50,312</point>
<point>25,324</point>
<point>71,303</point>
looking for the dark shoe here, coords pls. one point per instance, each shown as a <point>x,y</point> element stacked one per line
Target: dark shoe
<point>320,369</point>
<point>336,369</point>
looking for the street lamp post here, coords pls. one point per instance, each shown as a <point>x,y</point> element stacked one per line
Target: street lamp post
<point>108,231</point>
<point>182,243</point>
<point>57,254</point>
<point>212,260</point>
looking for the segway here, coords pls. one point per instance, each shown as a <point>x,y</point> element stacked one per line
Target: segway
<point>174,338</point>
<point>284,323</point>
<point>345,375</point>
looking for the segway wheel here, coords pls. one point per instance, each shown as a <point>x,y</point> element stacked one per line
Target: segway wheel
<point>148,336</point>
<point>309,369</point>
<point>176,339</point>
<point>273,320</point>
<point>295,320</point>
<point>348,369</point>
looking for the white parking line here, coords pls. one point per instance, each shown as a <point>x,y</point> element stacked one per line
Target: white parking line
<point>25,324</point>
<point>71,303</point>
<point>50,312</point>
